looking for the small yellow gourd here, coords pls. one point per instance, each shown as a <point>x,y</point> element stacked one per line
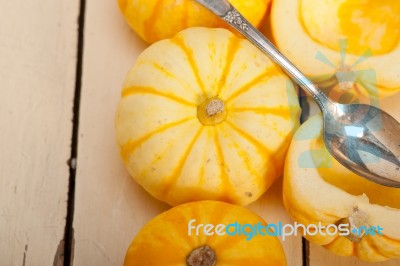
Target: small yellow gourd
<point>155,20</point>
<point>205,115</point>
<point>165,240</point>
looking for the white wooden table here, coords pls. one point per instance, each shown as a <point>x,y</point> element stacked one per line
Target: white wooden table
<point>65,196</point>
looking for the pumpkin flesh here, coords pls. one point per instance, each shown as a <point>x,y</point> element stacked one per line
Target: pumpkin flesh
<point>367,25</point>
<point>350,45</point>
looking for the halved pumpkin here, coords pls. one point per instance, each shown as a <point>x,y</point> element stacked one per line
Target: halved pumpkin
<point>206,115</point>
<point>354,44</point>
<point>317,189</point>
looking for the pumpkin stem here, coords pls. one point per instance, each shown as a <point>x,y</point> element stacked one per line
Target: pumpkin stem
<point>202,256</point>
<point>346,77</point>
<point>356,221</point>
<point>211,112</point>
<point>214,107</point>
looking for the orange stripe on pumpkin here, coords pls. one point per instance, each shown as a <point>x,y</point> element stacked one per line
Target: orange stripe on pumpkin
<point>281,112</point>
<point>192,62</point>
<point>130,146</point>
<point>201,177</point>
<point>185,15</point>
<point>216,216</point>
<point>179,222</point>
<point>168,74</point>
<point>226,185</point>
<point>149,24</point>
<point>233,46</point>
<point>149,90</point>
<point>226,242</point>
<point>178,170</point>
<point>262,149</point>
<point>264,76</point>
<point>247,161</point>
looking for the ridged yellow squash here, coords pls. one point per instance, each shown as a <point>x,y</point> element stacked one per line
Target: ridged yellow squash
<point>165,240</point>
<point>317,189</point>
<point>154,20</point>
<point>205,115</point>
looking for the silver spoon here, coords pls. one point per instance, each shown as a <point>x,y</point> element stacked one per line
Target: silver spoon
<point>363,138</point>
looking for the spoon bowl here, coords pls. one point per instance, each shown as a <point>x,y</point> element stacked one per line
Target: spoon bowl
<point>361,137</point>
<point>365,140</point>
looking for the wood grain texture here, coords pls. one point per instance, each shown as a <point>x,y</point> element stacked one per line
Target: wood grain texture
<point>320,256</point>
<point>38,42</point>
<point>110,208</point>
<point>37,75</point>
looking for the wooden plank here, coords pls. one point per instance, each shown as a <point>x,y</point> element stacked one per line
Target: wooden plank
<point>110,208</point>
<point>270,207</point>
<point>319,255</point>
<point>37,75</point>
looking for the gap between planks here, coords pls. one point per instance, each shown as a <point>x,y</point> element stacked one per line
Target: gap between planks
<point>305,107</point>
<point>69,230</point>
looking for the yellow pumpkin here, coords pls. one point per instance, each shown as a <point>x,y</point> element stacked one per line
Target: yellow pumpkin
<point>154,20</point>
<point>205,115</point>
<point>165,240</point>
<point>319,189</point>
<point>353,45</point>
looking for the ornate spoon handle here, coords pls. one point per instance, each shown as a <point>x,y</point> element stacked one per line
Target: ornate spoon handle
<point>227,12</point>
